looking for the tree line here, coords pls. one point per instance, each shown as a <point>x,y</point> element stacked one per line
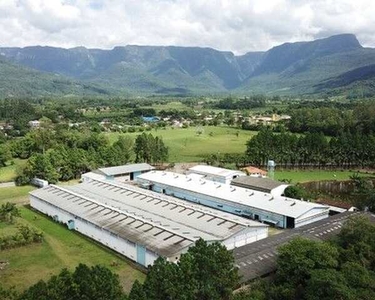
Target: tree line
<point>312,149</point>
<point>333,121</point>
<point>61,155</point>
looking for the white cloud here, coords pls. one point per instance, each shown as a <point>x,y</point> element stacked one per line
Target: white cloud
<point>235,25</point>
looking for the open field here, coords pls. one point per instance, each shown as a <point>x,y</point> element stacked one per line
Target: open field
<point>185,145</point>
<point>61,248</point>
<point>8,173</point>
<point>315,175</point>
<point>15,194</point>
<point>168,106</point>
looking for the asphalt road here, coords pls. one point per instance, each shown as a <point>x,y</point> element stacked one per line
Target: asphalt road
<point>259,259</point>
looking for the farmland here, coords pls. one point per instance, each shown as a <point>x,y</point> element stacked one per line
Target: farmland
<point>186,145</point>
<point>314,175</point>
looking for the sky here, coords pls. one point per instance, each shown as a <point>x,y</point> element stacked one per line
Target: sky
<point>232,25</point>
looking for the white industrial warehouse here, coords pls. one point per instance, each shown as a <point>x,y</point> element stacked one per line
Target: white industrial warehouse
<point>277,210</point>
<point>215,173</point>
<point>141,224</point>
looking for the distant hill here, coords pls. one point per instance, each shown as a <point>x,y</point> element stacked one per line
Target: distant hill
<point>19,81</point>
<point>330,65</point>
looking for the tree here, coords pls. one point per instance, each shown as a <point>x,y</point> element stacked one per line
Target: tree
<point>8,212</point>
<point>85,283</point>
<point>294,191</point>
<point>205,272</point>
<point>122,149</point>
<point>357,242</point>
<point>299,257</point>
<point>328,285</point>
<point>39,166</point>
<point>4,155</point>
<point>150,149</point>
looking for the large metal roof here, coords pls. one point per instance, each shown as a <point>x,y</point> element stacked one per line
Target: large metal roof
<point>214,171</point>
<point>257,183</point>
<point>125,169</point>
<point>228,194</point>
<point>160,223</point>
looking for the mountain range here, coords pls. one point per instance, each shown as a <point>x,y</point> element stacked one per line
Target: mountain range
<point>334,65</point>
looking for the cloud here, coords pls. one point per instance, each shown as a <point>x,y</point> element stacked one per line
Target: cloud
<point>234,25</point>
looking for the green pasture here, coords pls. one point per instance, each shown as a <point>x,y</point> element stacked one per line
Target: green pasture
<point>186,145</point>
<point>315,175</point>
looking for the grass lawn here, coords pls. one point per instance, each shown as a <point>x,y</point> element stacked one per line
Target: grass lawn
<point>16,194</point>
<point>185,145</point>
<point>314,175</point>
<point>61,248</point>
<point>8,173</point>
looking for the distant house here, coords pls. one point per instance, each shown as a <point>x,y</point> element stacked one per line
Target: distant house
<point>152,119</point>
<point>253,171</point>
<point>34,124</point>
<point>119,173</point>
<point>261,184</point>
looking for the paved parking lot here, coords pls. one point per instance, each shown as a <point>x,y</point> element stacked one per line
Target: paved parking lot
<point>259,259</point>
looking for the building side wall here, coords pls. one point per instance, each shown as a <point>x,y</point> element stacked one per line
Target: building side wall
<point>120,245</point>
<point>230,207</point>
<point>311,218</point>
<point>245,237</point>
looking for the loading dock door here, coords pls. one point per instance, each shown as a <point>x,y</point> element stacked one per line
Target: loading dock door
<point>290,222</point>
<point>71,225</point>
<point>141,255</point>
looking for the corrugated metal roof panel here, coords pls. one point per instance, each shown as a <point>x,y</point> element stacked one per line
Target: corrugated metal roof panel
<point>225,192</point>
<point>144,217</point>
<point>125,169</point>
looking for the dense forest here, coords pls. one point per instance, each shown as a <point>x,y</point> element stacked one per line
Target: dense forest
<point>65,154</point>
<point>312,149</point>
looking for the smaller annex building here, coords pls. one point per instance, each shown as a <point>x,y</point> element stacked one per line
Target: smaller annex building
<point>141,225</point>
<point>261,184</point>
<point>276,210</point>
<point>215,174</point>
<point>120,173</point>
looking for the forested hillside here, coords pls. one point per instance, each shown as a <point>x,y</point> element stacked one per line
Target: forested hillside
<point>330,66</point>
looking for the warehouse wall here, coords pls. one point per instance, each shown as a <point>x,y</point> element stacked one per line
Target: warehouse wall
<point>120,245</point>
<point>311,218</point>
<point>245,237</point>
